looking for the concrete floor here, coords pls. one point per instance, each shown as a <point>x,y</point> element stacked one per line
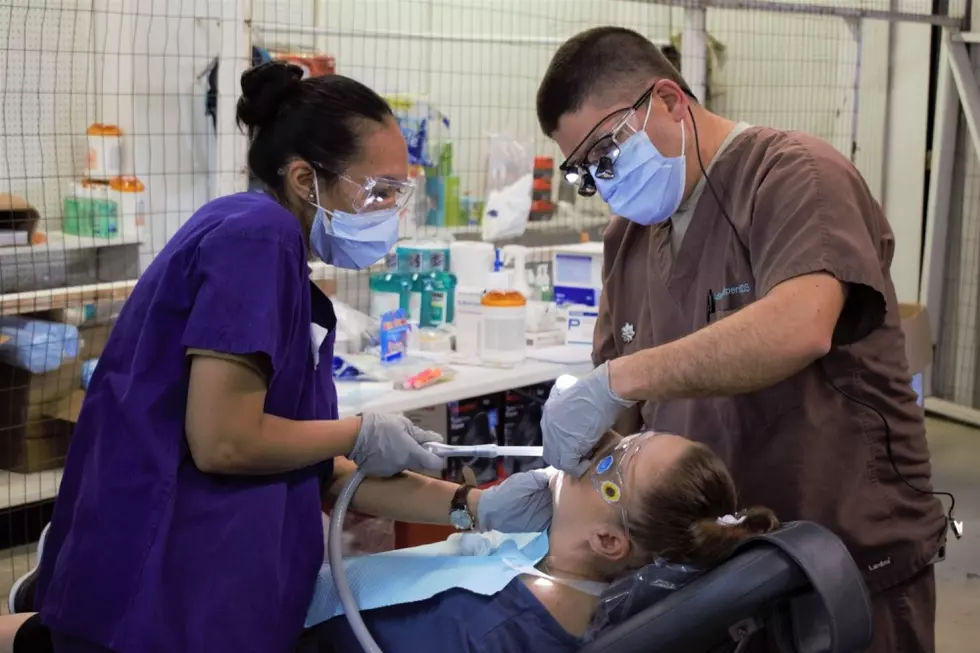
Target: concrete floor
<point>956,469</point>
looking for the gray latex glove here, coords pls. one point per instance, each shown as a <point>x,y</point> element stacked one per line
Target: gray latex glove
<point>575,418</point>
<point>389,444</point>
<point>520,504</point>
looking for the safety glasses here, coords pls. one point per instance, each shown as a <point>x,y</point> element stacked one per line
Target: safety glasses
<point>604,151</point>
<point>374,193</point>
<point>379,193</point>
<point>608,473</point>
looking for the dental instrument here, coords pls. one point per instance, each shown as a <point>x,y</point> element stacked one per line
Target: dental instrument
<point>483,451</point>
<point>335,552</point>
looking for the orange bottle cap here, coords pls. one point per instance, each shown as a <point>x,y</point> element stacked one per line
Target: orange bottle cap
<point>98,129</point>
<point>127,185</point>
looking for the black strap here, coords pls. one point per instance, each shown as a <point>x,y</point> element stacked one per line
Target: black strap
<point>836,616</point>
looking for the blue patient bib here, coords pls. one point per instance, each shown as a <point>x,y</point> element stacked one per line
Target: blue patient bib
<point>483,563</point>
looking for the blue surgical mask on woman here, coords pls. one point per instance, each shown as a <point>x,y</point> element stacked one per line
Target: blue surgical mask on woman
<point>352,240</point>
<point>648,186</point>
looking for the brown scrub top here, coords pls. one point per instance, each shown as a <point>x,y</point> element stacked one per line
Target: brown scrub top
<point>797,206</point>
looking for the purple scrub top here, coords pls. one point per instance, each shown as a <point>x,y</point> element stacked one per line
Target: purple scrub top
<point>147,553</point>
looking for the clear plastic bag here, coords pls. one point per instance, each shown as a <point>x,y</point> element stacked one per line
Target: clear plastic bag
<point>354,327</point>
<point>422,126</point>
<point>409,373</point>
<point>510,176</point>
<point>638,591</point>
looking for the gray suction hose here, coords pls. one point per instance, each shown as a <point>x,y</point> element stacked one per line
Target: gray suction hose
<point>335,556</point>
<point>335,538</point>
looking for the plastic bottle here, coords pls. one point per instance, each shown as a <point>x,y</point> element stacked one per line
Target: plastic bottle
<point>438,299</point>
<point>548,312</point>
<point>503,332</point>
<point>390,290</point>
<point>416,297</point>
<point>542,281</point>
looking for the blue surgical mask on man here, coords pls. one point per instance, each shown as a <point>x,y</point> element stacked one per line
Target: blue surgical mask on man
<point>647,187</point>
<point>352,240</point>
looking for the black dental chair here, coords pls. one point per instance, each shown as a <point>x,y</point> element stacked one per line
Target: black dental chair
<point>797,587</point>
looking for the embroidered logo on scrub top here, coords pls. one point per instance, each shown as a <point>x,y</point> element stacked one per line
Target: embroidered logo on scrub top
<point>628,333</point>
<point>740,289</point>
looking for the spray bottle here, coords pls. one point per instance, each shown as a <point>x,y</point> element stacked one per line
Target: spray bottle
<point>515,257</point>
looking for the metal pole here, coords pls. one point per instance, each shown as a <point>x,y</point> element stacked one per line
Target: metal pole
<point>443,37</point>
<point>812,10</point>
<point>694,52</point>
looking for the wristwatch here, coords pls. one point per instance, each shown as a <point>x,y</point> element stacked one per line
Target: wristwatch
<point>459,513</point>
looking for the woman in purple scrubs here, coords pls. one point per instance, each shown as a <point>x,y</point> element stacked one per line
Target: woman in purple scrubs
<point>188,519</point>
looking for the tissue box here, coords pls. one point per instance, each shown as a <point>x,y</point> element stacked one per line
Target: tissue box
<point>580,325</point>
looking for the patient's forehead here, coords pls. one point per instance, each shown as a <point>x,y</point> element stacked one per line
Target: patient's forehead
<point>653,459</point>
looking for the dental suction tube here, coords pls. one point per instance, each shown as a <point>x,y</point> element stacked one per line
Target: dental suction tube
<point>335,556</point>
<point>335,539</point>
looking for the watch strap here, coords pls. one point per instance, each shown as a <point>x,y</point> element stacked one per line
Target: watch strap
<point>459,503</point>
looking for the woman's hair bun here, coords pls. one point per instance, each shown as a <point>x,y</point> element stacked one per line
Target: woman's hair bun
<point>263,90</point>
<point>713,540</point>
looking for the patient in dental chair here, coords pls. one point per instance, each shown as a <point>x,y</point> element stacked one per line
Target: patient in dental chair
<point>646,498</point>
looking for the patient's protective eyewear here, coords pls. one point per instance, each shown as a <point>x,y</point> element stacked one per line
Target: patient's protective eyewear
<point>608,474</point>
<point>604,152</point>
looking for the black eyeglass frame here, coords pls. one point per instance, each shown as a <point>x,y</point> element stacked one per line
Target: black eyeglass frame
<point>579,173</point>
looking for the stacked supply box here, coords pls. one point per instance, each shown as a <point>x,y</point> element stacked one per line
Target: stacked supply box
<point>38,410</point>
<point>522,425</point>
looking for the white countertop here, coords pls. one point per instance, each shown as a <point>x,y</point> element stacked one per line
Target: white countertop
<point>470,381</point>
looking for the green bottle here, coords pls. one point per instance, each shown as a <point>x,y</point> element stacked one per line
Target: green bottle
<point>438,299</point>
<point>390,290</point>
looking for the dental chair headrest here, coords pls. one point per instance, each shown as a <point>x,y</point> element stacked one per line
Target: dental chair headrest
<point>799,583</point>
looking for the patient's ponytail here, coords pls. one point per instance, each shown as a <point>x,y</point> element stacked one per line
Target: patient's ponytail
<point>712,539</point>
<point>690,515</point>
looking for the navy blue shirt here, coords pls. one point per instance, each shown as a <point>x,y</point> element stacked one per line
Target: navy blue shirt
<point>457,621</point>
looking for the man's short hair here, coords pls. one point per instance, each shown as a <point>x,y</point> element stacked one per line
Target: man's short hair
<point>596,62</point>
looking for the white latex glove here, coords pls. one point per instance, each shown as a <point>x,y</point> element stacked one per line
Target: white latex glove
<point>389,444</point>
<point>576,416</point>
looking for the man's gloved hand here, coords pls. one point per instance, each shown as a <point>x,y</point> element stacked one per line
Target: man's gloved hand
<point>389,444</point>
<point>520,504</point>
<point>575,418</point>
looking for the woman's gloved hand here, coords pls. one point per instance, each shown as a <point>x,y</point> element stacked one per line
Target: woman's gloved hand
<point>389,444</point>
<point>520,504</point>
<point>576,416</point>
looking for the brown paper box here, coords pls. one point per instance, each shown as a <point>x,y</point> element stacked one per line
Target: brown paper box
<point>918,337</point>
<point>38,411</point>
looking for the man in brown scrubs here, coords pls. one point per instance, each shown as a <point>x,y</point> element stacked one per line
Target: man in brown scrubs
<point>747,304</point>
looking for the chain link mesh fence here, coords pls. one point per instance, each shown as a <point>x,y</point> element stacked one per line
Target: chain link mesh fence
<point>117,123</point>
